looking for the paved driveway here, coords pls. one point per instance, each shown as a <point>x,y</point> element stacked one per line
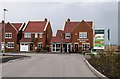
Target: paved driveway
<point>48,65</point>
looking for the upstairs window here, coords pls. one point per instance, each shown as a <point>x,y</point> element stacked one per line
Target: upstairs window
<point>8,35</point>
<point>67,36</point>
<point>41,35</point>
<point>27,35</point>
<point>82,34</point>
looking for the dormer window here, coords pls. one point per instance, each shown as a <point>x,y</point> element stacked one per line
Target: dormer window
<point>27,35</point>
<point>8,35</point>
<point>67,36</point>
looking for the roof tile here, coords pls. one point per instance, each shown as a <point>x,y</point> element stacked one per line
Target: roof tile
<point>35,26</point>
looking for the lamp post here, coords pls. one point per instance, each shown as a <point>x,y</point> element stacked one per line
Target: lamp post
<point>4,31</point>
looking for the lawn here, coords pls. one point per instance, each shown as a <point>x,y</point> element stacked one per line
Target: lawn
<point>107,64</point>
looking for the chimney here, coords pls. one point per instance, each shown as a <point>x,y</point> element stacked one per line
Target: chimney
<point>2,21</point>
<point>68,20</point>
<point>45,19</point>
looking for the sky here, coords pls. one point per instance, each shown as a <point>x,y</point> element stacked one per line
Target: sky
<point>104,13</point>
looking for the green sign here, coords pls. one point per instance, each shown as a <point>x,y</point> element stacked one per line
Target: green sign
<point>99,39</point>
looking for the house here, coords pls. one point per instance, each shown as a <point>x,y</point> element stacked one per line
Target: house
<point>11,35</point>
<point>75,36</point>
<point>1,26</point>
<point>36,35</point>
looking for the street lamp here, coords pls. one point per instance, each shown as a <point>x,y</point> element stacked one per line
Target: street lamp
<point>4,31</point>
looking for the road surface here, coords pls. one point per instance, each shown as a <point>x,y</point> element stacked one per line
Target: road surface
<point>48,65</point>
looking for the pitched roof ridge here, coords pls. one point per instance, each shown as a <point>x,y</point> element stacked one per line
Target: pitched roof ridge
<point>25,26</point>
<point>16,22</point>
<point>88,24</point>
<point>81,22</point>
<point>13,26</point>
<point>36,20</point>
<point>46,25</point>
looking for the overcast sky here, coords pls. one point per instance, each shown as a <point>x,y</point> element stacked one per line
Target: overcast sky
<point>103,14</point>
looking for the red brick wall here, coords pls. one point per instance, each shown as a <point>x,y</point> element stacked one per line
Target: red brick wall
<point>10,29</point>
<point>82,27</point>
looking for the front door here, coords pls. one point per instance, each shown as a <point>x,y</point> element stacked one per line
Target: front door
<point>76,47</point>
<point>64,47</point>
<point>31,46</point>
<point>69,47</point>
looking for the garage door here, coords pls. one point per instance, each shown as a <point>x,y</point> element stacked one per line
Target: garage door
<point>24,47</point>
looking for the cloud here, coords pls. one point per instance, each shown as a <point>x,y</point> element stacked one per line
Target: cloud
<point>104,14</point>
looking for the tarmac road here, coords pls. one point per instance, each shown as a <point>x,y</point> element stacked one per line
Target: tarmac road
<point>48,65</point>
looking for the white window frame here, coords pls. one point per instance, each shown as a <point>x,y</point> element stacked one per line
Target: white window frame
<point>36,35</point>
<point>40,45</point>
<point>67,36</point>
<point>55,48</point>
<point>58,48</point>
<point>10,46</point>
<point>41,34</point>
<point>83,46</point>
<point>81,35</point>
<point>8,35</point>
<point>27,35</point>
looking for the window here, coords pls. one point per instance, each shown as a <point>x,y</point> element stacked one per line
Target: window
<point>36,35</point>
<point>67,35</point>
<point>39,45</point>
<point>27,35</point>
<point>53,47</point>
<point>8,35</point>
<point>83,35</point>
<point>85,46</point>
<point>57,47</point>
<point>41,34</point>
<point>10,45</point>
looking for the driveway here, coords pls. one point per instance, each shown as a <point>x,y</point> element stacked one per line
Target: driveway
<point>48,65</point>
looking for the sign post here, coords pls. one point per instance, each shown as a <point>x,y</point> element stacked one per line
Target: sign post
<point>109,38</point>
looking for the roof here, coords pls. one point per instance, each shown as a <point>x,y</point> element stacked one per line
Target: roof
<point>60,40</point>
<point>69,26</point>
<point>26,40</point>
<point>56,39</point>
<point>66,40</point>
<point>17,25</point>
<point>59,32</point>
<point>35,26</point>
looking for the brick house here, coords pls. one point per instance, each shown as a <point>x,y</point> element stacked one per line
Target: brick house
<point>75,36</point>
<point>11,35</point>
<point>1,25</point>
<point>36,35</point>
